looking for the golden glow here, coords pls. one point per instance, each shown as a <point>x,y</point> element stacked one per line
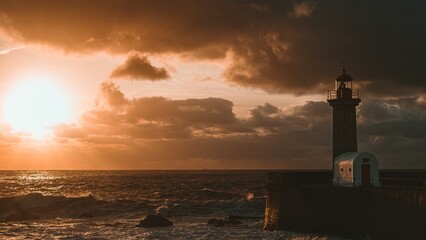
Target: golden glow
<point>34,105</point>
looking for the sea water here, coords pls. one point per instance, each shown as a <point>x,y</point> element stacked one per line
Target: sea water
<point>118,200</point>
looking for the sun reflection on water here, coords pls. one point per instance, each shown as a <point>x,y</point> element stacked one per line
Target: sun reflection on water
<point>37,176</point>
<point>25,182</point>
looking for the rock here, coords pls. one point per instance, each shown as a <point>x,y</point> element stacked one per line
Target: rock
<point>21,216</point>
<point>151,221</point>
<point>86,215</point>
<point>223,222</point>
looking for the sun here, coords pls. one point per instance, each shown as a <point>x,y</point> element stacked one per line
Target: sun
<point>36,104</point>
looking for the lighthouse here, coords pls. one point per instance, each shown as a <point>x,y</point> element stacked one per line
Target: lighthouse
<point>350,167</point>
<point>344,100</point>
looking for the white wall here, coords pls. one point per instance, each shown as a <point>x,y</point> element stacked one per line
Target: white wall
<point>351,163</point>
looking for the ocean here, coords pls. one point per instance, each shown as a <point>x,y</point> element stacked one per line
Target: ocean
<point>109,204</point>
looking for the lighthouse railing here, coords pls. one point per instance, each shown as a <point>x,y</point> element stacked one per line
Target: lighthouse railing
<point>333,94</point>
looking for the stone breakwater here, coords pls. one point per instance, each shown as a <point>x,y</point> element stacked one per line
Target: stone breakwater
<point>306,202</point>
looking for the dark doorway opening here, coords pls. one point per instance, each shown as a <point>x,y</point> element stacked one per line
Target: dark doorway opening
<point>365,174</point>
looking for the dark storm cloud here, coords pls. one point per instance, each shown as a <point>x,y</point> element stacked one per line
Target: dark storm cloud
<point>394,109</point>
<point>138,67</point>
<point>279,46</point>
<point>188,111</point>
<point>403,117</point>
<point>266,114</point>
<point>395,130</point>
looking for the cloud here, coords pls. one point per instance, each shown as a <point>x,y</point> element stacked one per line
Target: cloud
<point>138,67</point>
<point>110,96</point>
<point>196,132</point>
<point>158,132</point>
<point>161,132</point>
<point>395,130</point>
<point>6,50</point>
<point>401,117</point>
<point>7,136</point>
<point>303,9</point>
<point>151,117</point>
<point>264,47</point>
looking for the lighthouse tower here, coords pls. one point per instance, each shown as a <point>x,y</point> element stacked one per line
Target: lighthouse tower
<point>344,100</point>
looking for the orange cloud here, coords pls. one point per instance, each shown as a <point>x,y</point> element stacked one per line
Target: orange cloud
<point>138,67</point>
<point>156,131</point>
<point>162,129</point>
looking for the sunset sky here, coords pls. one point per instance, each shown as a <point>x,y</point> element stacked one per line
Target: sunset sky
<point>197,84</point>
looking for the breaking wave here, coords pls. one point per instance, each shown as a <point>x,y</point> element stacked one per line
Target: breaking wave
<point>48,207</point>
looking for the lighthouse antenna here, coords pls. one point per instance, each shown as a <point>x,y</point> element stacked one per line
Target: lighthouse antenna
<point>343,66</point>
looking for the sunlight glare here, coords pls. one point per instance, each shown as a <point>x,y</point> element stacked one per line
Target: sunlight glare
<point>35,105</point>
